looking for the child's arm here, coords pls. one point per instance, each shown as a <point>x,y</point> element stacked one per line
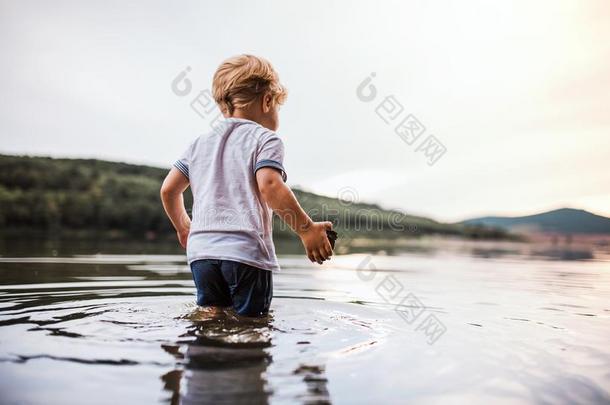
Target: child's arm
<point>283,202</point>
<point>171,195</point>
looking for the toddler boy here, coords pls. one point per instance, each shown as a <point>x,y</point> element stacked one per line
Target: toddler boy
<point>237,178</point>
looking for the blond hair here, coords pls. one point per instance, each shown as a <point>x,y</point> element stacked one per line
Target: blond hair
<point>242,79</point>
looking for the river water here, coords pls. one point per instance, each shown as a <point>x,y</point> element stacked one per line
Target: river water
<point>463,323</point>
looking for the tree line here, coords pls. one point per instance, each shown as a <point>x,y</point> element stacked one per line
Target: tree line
<point>87,194</point>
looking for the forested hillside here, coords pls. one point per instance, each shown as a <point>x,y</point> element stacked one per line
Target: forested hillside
<point>85,194</point>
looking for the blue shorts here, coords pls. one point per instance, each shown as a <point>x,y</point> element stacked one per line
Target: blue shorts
<point>224,283</point>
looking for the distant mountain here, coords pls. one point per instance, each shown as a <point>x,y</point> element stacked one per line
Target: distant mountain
<point>564,220</point>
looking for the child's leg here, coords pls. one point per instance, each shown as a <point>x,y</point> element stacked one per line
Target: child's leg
<point>212,289</point>
<point>251,288</point>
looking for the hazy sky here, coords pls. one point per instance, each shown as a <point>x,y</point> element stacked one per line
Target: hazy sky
<point>517,92</point>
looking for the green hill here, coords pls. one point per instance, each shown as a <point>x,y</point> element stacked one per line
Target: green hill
<point>63,195</point>
<point>564,220</point>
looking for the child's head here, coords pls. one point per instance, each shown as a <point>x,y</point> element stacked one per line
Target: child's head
<point>246,86</point>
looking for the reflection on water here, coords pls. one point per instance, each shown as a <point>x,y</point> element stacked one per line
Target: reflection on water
<point>99,326</point>
<point>224,361</point>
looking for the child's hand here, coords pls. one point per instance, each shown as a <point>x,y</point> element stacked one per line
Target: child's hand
<point>183,236</point>
<point>183,229</point>
<point>316,242</point>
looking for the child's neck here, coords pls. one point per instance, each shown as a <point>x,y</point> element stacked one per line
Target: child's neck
<point>246,115</point>
<point>259,118</point>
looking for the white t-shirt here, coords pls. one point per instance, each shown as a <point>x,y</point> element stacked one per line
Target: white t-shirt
<point>230,220</point>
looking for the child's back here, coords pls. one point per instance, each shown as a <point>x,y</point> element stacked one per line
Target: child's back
<point>229,220</point>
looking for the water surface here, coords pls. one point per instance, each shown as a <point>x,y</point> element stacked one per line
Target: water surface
<point>465,323</point>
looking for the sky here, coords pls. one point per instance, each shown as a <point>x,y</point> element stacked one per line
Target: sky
<point>513,96</point>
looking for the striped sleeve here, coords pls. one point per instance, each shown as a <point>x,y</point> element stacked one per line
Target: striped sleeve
<point>271,154</point>
<point>182,165</point>
<point>184,162</point>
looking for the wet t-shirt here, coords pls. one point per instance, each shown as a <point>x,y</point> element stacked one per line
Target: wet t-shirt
<point>230,220</point>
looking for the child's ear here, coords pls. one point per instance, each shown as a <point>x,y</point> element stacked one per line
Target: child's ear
<point>267,102</point>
